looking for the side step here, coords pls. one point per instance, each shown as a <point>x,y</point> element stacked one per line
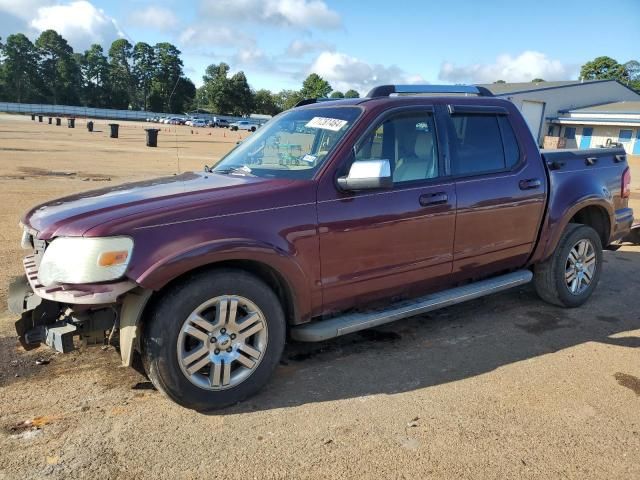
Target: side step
<point>353,322</point>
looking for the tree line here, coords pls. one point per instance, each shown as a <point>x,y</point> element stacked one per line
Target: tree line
<point>607,68</point>
<point>146,77</point>
<point>139,77</point>
<point>222,93</point>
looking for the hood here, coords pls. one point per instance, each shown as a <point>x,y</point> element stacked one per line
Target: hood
<point>76,214</point>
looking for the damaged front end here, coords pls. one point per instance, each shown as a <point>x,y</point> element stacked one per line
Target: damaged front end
<point>56,312</point>
<point>56,324</point>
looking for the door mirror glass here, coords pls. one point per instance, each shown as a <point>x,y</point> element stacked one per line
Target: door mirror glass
<point>367,175</point>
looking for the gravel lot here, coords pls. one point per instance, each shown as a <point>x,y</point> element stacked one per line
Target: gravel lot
<point>502,387</point>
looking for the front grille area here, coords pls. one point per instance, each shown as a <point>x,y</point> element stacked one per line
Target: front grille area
<point>32,262</point>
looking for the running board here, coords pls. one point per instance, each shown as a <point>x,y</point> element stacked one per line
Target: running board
<point>353,322</point>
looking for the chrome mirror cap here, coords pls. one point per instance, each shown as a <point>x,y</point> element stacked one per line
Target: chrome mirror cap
<point>367,175</point>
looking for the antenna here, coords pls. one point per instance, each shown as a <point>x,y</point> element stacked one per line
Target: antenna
<point>176,130</point>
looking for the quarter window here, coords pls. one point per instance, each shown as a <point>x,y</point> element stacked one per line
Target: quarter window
<point>511,149</point>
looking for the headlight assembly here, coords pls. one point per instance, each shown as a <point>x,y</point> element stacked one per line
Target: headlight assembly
<point>85,260</point>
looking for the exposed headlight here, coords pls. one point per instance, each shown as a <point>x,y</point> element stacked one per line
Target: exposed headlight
<point>85,260</point>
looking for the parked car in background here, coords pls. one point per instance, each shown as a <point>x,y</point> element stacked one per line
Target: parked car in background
<point>379,209</point>
<point>199,123</point>
<point>243,125</point>
<point>219,122</point>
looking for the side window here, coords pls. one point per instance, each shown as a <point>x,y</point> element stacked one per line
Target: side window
<point>476,144</point>
<point>408,141</point>
<point>511,149</point>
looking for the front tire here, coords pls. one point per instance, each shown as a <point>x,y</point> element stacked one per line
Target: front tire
<point>570,275</point>
<point>214,339</point>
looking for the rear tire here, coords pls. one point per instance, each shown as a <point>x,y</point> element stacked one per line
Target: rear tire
<point>570,275</point>
<point>214,339</point>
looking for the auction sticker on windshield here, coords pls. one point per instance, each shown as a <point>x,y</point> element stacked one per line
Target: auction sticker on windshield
<point>333,124</point>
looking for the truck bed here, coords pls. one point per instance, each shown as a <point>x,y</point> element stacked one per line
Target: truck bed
<point>573,158</point>
<point>593,174</point>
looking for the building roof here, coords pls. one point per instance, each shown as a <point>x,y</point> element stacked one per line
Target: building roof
<point>507,88</point>
<point>615,108</point>
<point>596,121</point>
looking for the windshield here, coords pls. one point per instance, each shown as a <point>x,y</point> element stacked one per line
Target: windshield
<point>292,145</point>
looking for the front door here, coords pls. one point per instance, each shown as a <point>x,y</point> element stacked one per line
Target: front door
<point>585,140</point>
<point>501,196</point>
<point>394,242</point>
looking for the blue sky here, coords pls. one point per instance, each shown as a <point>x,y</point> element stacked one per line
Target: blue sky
<point>353,44</point>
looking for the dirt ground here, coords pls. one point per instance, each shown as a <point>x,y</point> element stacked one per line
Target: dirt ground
<point>501,387</point>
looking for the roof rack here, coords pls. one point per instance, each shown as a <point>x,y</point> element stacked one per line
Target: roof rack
<point>388,90</point>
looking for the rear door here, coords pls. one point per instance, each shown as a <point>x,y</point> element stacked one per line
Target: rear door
<point>501,194</point>
<point>392,242</point>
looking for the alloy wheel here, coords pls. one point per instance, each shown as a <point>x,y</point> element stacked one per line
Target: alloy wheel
<point>580,267</point>
<point>222,342</point>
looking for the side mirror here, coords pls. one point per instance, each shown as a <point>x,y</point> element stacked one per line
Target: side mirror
<point>367,175</point>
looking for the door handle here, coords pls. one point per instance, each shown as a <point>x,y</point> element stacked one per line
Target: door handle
<point>430,199</point>
<point>530,184</point>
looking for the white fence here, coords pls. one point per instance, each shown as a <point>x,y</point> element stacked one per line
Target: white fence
<point>74,111</point>
<point>88,112</point>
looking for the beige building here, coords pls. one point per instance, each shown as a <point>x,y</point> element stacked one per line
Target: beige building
<point>601,125</point>
<point>543,104</point>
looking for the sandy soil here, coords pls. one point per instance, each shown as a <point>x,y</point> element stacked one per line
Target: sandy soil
<point>502,387</point>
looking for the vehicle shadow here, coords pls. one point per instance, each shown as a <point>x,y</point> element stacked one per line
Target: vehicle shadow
<point>445,346</point>
<point>455,343</point>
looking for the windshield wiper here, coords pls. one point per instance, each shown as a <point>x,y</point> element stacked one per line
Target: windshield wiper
<point>243,170</point>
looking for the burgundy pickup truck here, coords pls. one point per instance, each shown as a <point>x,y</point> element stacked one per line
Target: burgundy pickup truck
<point>334,217</point>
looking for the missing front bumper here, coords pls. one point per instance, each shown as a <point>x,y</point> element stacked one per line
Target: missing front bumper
<point>56,324</point>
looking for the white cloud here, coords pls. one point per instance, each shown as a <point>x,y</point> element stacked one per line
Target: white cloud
<point>209,37</point>
<point>79,22</point>
<point>521,68</point>
<point>303,14</point>
<point>299,48</point>
<point>250,56</point>
<point>344,72</point>
<point>158,18</point>
<point>16,14</point>
<point>23,9</point>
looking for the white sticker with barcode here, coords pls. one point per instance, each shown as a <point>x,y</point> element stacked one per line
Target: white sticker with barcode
<point>333,124</point>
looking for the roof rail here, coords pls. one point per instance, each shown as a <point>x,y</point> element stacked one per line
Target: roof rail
<point>388,90</point>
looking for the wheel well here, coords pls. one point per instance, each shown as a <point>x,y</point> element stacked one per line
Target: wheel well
<point>596,218</point>
<point>264,272</point>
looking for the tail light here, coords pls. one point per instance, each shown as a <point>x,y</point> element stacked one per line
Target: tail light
<point>626,183</point>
